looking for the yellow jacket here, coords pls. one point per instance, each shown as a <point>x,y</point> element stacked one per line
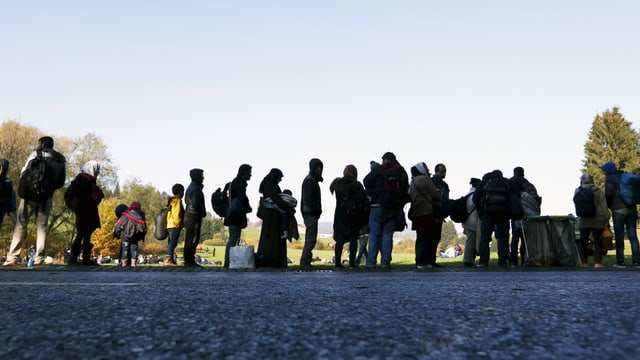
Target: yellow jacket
<point>175,214</point>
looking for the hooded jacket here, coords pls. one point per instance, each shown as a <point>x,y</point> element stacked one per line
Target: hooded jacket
<point>311,202</point>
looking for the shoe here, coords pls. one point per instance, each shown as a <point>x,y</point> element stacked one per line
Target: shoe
<point>13,262</point>
<point>480,266</point>
<point>90,263</point>
<point>437,265</point>
<point>169,262</point>
<point>428,266</point>
<point>514,267</point>
<point>636,265</point>
<point>468,265</point>
<point>306,267</point>
<point>598,266</point>
<point>619,266</point>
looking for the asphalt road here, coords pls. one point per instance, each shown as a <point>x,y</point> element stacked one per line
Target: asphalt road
<point>157,313</point>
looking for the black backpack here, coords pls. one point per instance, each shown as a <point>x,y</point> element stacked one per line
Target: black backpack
<point>220,200</point>
<point>495,196</point>
<point>394,194</point>
<point>160,224</point>
<point>358,207</point>
<point>42,176</point>
<point>458,209</point>
<point>585,202</point>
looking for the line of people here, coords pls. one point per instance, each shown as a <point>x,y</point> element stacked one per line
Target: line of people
<point>494,204</point>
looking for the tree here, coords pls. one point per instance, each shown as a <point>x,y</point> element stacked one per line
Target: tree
<point>102,239</point>
<point>611,138</point>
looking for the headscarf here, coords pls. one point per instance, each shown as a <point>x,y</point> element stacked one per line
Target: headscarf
<point>91,167</point>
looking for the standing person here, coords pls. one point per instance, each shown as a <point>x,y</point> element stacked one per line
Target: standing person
<point>41,206</point>
<point>492,201</point>
<point>470,227</point>
<point>239,207</point>
<point>442,208</point>
<point>423,194</point>
<point>175,223</point>
<point>194,212</point>
<point>7,194</point>
<point>311,209</point>
<point>387,187</point>
<point>130,229</point>
<point>531,207</point>
<point>272,246</point>
<point>518,177</point>
<point>624,216</point>
<point>351,203</point>
<point>86,197</point>
<point>592,225</point>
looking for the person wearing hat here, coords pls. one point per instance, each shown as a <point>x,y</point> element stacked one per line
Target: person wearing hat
<point>423,194</point>
<point>471,226</point>
<point>194,212</point>
<point>624,216</point>
<point>130,229</point>
<point>387,187</point>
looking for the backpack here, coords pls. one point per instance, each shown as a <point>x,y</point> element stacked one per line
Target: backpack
<point>358,207</point>
<point>160,222</point>
<point>42,176</point>
<point>495,196</point>
<point>585,202</point>
<point>458,209</point>
<point>220,200</point>
<point>630,188</point>
<point>394,194</point>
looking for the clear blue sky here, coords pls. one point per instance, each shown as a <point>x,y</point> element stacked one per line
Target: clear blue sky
<point>476,85</point>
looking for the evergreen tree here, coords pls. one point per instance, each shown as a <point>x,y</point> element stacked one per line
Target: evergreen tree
<point>611,138</point>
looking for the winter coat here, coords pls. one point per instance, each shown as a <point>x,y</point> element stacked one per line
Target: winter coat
<point>86,197</point>
<point>311,202</point>
<point>131,227</point>
<point>601,218</point>
<point>239,203</point>
<point>194,201</point>
<point>612,193</point>
<point>347,190</point>
<point>423,194</point>
<point>175,216</point>
<point>474,217</point>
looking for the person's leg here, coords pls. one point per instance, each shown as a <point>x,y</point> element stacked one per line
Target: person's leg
<point>42,225</point>
<point>172,243</point>
<point>388,229</point>
<point>597,246</point>
<point>133,248</point>
<point>618,231</point>
<point>582,246</point>
<point>310,238</point>
<point>630,223</point>
<point>76,247</point>
<point>234,239</point>
<point>353,249</point>
<point>375,235</point>
<point>19,231</point>
<point>420,248</point>
<point>516,239</point>
<point>469,254</point>
<point>190,241</point>
<point>485,238</point>
<point>502,235</point>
